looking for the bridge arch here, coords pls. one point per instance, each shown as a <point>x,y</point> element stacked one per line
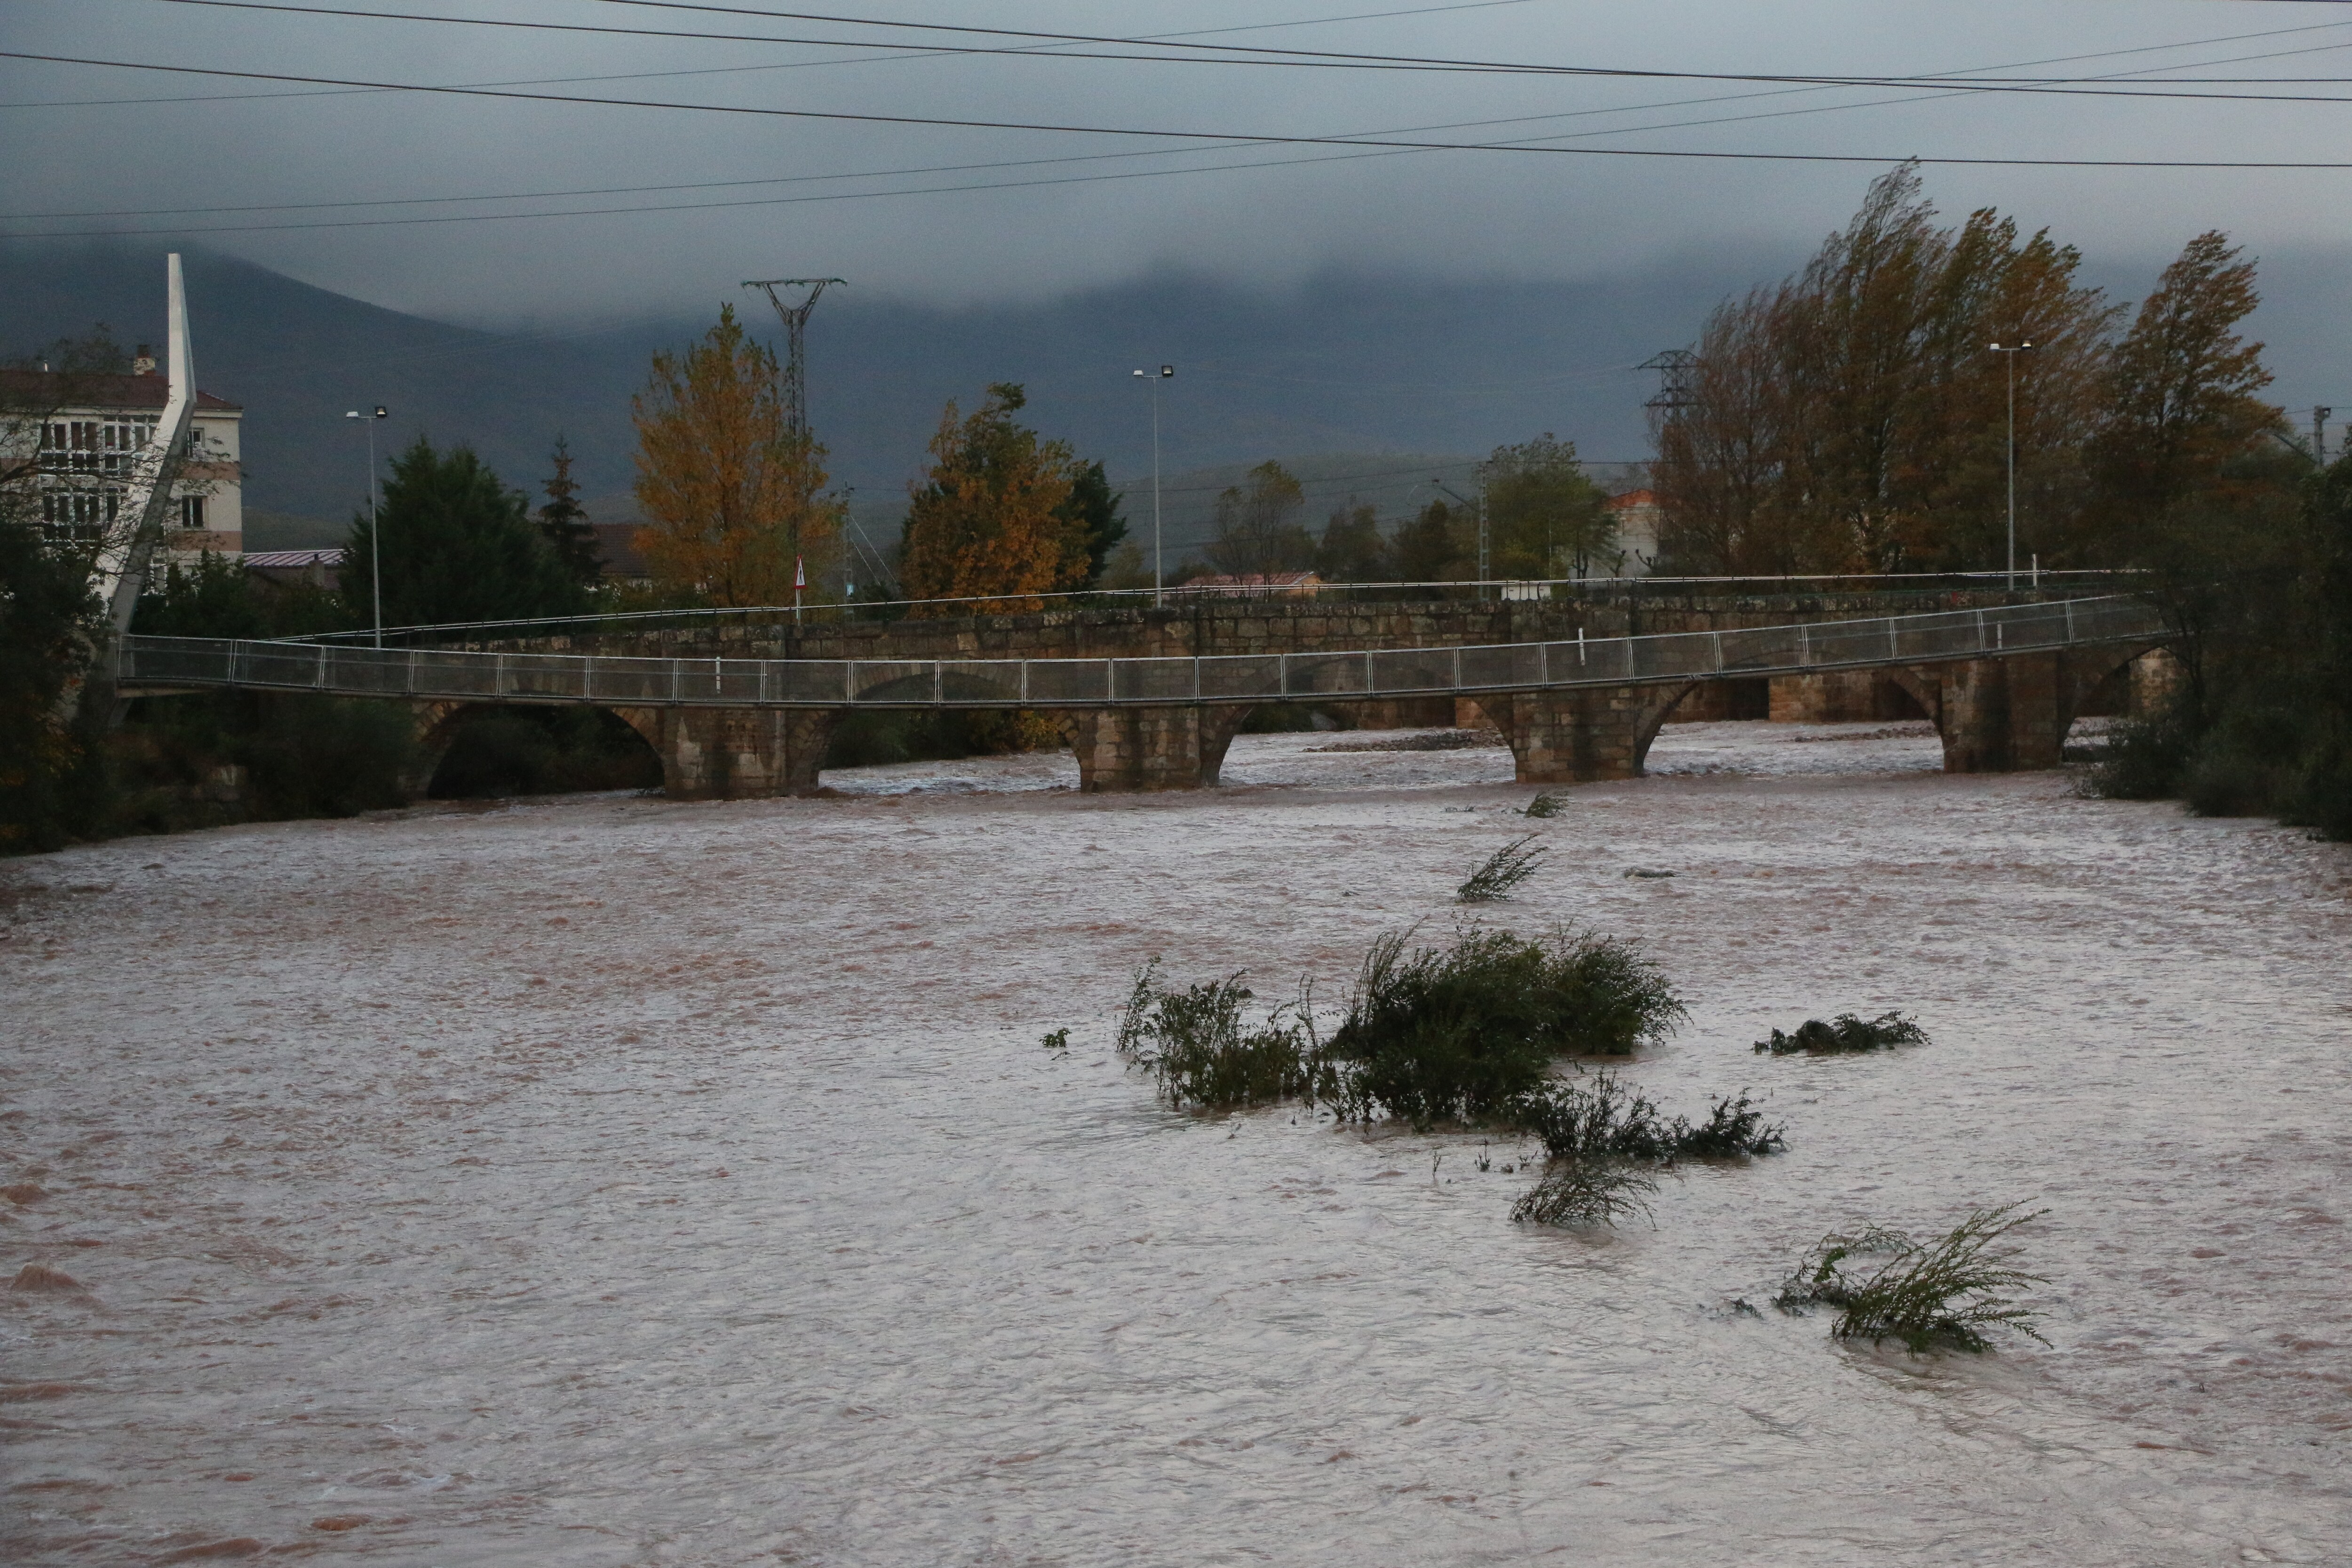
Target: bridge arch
<point>490,749</point>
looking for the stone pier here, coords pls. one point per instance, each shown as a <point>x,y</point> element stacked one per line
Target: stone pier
<point>1135,749</point>
<point>735,754</point>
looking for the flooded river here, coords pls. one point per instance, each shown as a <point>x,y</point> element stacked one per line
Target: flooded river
<point>615,1181</point>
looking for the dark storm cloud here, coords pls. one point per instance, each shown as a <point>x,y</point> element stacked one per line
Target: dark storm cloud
<point>1441,214</point>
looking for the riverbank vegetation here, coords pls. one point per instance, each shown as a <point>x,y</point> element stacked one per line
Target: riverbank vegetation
<point>1844,1034</point>
<point>1946,1293</point>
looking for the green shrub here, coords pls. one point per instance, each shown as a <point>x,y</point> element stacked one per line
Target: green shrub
<point>1505,868</point>
<point>1609,1121</point>
<point>1545,804</point>
<point>2147,759</point>
<point>1583,1192</point>
<point>1200,1052</point>
<point>1945,1292</point>
<point>1844,1033</point>
<point>1460,1034</point>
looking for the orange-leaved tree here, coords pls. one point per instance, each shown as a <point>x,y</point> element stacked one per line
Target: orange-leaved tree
<point>992,521</point>
<point>729,488</point>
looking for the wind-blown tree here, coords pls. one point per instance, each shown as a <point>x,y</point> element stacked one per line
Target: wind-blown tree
<point>1851,418</point>
<point>994,519</point>
<point>1258,529</point>
<point>2181,391</point>
<point>457,544</point>
<point>1545,517</point>
<point>565,523</point>
<point>730,492</point>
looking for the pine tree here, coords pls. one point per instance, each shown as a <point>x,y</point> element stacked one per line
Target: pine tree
<point>565,525</point>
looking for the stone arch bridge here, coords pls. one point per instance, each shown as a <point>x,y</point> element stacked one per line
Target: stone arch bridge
<point>1151,698</point>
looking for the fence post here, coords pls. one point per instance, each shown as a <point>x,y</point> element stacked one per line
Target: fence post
<point>849,680</point>
<point>1715,641</point>
<point>408,685</point>
<point>1282,674</point>
<point>1804,644</point>
<point>673,667</point>
<point>938,684</point>
<point>319,678</point>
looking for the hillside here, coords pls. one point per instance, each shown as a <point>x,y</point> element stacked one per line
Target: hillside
<point>1359,384</point>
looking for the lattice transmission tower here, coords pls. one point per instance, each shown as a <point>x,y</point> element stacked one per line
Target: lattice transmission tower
<point>1677,381</point>
<point>795,320</point>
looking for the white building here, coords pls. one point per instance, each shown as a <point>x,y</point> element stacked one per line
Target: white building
<point>88,430</point>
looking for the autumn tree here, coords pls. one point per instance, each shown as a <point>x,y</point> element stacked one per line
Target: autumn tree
<point>1545,517</point>
<point>1258,531</point>
<point>729,489</point>
<point>994,519</point>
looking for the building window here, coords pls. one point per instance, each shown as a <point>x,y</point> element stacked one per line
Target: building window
<point>93,446</point>
<point>192,511</point>
<point>79,517</point>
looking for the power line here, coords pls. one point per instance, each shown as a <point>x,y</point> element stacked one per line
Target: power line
<point>1263,139</point>
<point>1025,163</point>
<point>1250,55</point>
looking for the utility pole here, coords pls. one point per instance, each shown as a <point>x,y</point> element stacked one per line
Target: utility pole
<point>2319,435</point>
<point>1158,588</point>
<point>375,534</point>
<point>2012,353</point>
<point>795,320</point>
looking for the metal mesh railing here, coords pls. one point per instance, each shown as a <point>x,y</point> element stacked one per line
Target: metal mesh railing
<point>433,674</point>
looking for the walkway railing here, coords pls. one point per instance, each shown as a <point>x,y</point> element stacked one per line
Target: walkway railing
<point>152,663</point>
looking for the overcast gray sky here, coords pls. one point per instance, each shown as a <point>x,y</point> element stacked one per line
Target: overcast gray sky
<point>251,143</point>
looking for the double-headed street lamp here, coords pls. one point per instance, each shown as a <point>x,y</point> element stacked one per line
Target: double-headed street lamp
<point>1166,373</point>
<point>375,549</point>
<point>2012,351</point>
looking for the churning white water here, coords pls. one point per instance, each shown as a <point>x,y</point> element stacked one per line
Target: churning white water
<point>610,1181</point>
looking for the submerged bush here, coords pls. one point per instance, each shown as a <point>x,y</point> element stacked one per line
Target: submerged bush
<point>1845,1033</point>
<point>1461,1034</point>
<point>2147,759</point>
<point>1545,804</point>
<point>1505,868</point>
<point>1945,1292</point>
<point>1584,1192</point>
<point>1196,1045</point>
<point>1609,1121</point>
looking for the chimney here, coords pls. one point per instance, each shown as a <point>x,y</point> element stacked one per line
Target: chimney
<point>144,363</point>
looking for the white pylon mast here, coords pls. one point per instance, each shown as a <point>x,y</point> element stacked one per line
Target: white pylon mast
<point>129,544</point>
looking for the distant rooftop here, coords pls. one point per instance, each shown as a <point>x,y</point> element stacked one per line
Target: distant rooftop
<point>36,389</point>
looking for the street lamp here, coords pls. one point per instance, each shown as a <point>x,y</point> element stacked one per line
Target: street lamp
<point>2012,351</point>
<point>1166,373</point>
<point>375,548</point>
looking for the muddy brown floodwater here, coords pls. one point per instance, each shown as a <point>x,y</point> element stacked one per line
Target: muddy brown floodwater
<point>610,1181</point>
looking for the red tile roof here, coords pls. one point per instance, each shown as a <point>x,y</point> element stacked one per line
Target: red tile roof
<point>40,389</point>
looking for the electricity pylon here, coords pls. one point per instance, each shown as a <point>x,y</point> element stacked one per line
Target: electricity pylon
<point>795,320</point>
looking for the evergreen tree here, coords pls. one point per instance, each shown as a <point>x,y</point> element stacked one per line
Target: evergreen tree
<point>565,525</point>
<point>1351,549</point>
<point>1429,548</point>
<point>457,545</point>
<point>1092,524</point>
